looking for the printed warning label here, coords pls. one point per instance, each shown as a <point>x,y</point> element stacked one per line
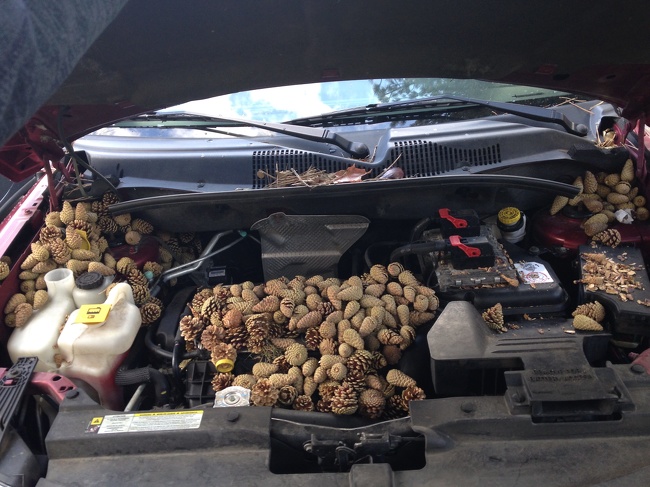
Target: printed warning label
<point>533,273</point>
<point>155,421</point>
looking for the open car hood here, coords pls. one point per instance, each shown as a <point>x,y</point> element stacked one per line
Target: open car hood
<point>161,53</point>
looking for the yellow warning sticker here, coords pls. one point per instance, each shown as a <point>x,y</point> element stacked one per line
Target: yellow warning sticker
<point>93,314</point>
<point>153,421</point>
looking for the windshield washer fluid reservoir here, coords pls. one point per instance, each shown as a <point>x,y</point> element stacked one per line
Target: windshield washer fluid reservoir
<point>39,335</point>
<point>93,351</point>
<point>89,288</point>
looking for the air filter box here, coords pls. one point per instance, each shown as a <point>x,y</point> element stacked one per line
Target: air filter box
<point>463,349</point>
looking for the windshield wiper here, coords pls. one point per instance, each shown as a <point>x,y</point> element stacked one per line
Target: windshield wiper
<point>436,103</point>
<point>187,120</point>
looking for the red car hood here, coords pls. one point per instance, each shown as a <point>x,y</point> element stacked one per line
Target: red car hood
<point>161,53</point>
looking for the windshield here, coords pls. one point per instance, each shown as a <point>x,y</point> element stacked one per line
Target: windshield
<point>286,103</point>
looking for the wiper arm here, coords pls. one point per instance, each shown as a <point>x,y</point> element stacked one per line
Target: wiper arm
<point>358,150</point>
<point>539,114</point>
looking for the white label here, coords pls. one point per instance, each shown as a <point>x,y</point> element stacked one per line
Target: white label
<point>533,273</point>
<point>130,423</point>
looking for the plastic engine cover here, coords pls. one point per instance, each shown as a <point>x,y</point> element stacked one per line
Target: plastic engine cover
<point>306,245</point>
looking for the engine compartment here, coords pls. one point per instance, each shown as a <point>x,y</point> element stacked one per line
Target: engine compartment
<point>453,305</point>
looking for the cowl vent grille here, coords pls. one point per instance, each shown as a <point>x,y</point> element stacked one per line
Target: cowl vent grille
<point>422,158</point>
<point>271,161</point>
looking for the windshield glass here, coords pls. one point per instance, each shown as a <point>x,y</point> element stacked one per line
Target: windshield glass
<point>286,103</point>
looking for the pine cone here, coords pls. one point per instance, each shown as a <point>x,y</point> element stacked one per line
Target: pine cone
<point>245,380</point>
<point>324,405</point>
<point>140,294</point>
<point>258,332</point>
<point>396,407</point>
<point>190,327</point>
<point>303,403</point>
<point>150,312</point>
<point>22,312</point>
<point>399,378</point>
<point>593,310</point>
<point>221,381</point>
<point>221,351</point>
<point>312,338</point>
<point>325,308</point>
<point>263,393</point>
<point>124,265</point>
<point>328,346</point>
<point>345,400</point>
<point>296,354</point>
<point>142,226</point>
<point>371,403</point>
<point>67,213</point>
<point>199,298</point>
<point>269,304</point>
<point>493,318</point>
<point>211,336</point>
<point>100,268</point>
<point>413,393</point>
<point>50,233</point>
<point>584,323</point>
<point>110,198</point>
<point>136,278</point>
<point>237,337</point>
<point>359,364</point>
<point>154,267</point>
<point>263,370</point>
<point>610,237</point>
<point>283,365</point>
<point>287,396</point>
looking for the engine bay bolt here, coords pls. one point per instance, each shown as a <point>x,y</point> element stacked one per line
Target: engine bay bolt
<point>232,416</point>
<point>71,394</point>
<point>468,407</point>
<point>637,368</point>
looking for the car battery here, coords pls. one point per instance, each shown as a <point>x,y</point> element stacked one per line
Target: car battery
<point>522,283</point>
<point>464,223</point>
<point>618,279</point>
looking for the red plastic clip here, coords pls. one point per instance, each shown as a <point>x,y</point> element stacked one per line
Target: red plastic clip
<point>456,222</point>
<point>454,240</point>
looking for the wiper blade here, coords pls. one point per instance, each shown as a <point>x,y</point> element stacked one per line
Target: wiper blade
<point>423,105</point>
<point>197,121</point>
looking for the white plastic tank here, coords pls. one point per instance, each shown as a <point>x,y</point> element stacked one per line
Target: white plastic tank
<point>89,288</point>
<point>92,353</point>
<point>39,335</point>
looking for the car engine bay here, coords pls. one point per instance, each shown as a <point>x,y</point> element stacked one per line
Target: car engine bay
<point>379,339</point>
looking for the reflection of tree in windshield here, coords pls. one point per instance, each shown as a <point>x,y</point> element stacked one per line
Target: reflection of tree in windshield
<point>397,89</point>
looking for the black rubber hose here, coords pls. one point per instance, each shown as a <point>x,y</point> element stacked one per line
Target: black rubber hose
<point>419,228</point>
<point>162,353</point>
<point>145,375</point>
<point>417,248</point>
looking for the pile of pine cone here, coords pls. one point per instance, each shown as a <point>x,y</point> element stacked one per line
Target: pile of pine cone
<point>320,344</point>
<point>76,238</point>
<point>602,195</point>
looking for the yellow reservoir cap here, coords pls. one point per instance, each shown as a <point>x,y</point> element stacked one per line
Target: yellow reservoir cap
<point>509,215</point>
<point>224,365</point>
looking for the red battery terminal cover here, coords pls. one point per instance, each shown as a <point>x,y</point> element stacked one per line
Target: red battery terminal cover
<point>454,240</point>
<point>456,222</point>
